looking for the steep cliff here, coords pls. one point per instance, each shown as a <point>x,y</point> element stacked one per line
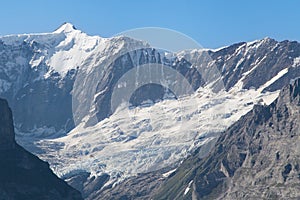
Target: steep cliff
<point>23,175</point>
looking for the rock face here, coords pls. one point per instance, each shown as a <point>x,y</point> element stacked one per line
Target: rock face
<point>256,158</point>
<point>258,62</point>
<point>131,60</point>
<point>23,175</point>
<point>36,102</point>
<point>139,187</point>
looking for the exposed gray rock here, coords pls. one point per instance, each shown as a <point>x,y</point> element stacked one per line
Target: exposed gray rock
<point>89,186</point>
<point>266,57</point>
<point>122,64</point>
<point>138,187</point>
<point>256,158</point>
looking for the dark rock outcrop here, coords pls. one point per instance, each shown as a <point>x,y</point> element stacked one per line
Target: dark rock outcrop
<point>23,175</point>
<point>7,136</point>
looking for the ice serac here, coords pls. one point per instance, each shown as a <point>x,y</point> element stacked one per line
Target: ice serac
<point>23,175</point>
<point>256,158</point>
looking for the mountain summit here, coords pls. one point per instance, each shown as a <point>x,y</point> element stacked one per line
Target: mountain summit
<point>65,28</point>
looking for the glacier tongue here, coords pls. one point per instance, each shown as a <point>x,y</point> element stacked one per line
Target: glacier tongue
<point>145,139</point>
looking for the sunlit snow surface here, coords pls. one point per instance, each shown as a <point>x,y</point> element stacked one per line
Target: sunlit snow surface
<point>68,48</point>
<point>143,139</point>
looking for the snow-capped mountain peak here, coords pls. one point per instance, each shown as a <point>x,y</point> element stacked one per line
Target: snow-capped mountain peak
<point>65,28</point>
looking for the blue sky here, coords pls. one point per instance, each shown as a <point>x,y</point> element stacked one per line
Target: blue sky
<point>212,23</point>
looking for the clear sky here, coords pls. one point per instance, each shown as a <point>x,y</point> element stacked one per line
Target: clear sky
<point>213,23</point>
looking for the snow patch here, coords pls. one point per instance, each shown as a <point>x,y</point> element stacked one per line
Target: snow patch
<point>187,189</point>
<point>167,174</point>
<point>275,78</point>
<point>296,62</point>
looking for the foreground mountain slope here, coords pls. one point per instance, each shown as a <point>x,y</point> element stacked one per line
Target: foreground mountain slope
<point>256,158</point>
<point>23,175</point>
